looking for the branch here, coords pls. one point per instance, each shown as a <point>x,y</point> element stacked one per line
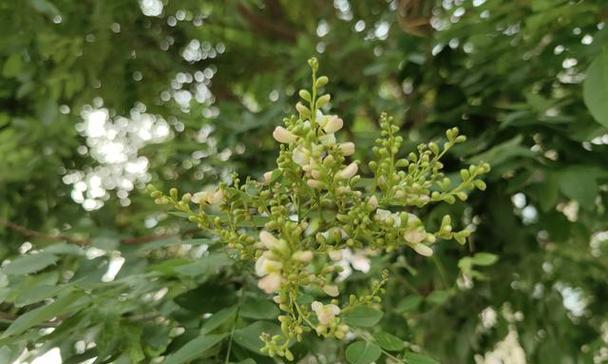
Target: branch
<point>40,235</point>
<point>78,241</point>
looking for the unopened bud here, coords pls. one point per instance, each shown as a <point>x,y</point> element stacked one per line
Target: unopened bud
<point>282,135</point>
<point>424,250</point>
<point>348,172</point>
<point>347,148</point>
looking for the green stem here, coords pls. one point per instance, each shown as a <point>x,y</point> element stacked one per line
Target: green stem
<point>236,317</point>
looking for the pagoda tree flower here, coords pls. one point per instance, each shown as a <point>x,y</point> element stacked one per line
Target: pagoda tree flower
<point>282,135</point>
<point>309,222</point>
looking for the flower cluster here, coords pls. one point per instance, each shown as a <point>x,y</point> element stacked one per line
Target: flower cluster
<point>296,222</point>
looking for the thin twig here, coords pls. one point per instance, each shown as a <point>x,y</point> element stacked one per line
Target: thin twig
<point>79,241</point>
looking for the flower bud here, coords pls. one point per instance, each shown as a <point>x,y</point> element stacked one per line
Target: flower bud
<point>303,110</point>
<point>304,256</point>
<point>335,255</point>
<point>333,124</point>
<point>316,184</point>
<point>347,148</point>
<point>282,135</point>
<point>331,290</point>
<point>270,242</point>
<point>267,177</point>
<point>348,172</point>
<point>373,202</point>
<point>424,250</point>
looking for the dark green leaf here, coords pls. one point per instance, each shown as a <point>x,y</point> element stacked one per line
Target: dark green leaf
<point>249,337</point>
<point>595,88</point>
<point>259,308</point>
<point>361,352</point>
<point>362,316</point>
<point>194,349</point>
<point>417,358</point>
<point>388,341</point>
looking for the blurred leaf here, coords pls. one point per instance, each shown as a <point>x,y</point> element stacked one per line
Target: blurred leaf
<point>249,337</point>
<point>27,264</point>
<point>595,88</point>
<point>417,358</point>
<point>194,349</point>
<point>258,308</point>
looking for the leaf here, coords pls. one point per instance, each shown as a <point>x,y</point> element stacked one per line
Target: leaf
<point>61,306</point>
<point>409,303</point>
<point>209,264</point>
<point>362,316</point>
<point>361,352</point>
<point>193,349</point>
<point>484,259</point>
<point>208,297</point>
<point>45,7</point>
<point>12,66</point>
<point>218,319</point>
<point>579,183</point>
<point>417,358</point>
<point>259,309</point>
<point>27,264</point>
<point>388,341</point>
<point>39,293</point>
<point>439,297</point>
<point>503,152</point>
<point>249,337</point>
<point>595,88</point>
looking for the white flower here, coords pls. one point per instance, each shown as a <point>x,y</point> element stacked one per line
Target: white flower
<point>353,260</point>
<point>200,197</point>
<point>422,249</point>
<point>333,124</point>
<point>348,171</point>
<point>325,313</point>
<point>347,148</point>
<point>331,290</point>
<point>271,283</point>
<point>301,156</point>
<point>328,139</point>
<point>208,197</point>
<point>216,197</point>
<point>415,236</point>
<point>267,177</point>
<point>387,216</point>
<point>282,135</point>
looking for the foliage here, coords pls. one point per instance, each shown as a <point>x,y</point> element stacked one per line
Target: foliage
<point>524,80</point>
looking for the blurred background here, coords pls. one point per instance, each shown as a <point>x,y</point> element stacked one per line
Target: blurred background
<point>99,98</point>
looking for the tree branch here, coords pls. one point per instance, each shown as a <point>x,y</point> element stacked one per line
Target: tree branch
<point>78,241</point>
